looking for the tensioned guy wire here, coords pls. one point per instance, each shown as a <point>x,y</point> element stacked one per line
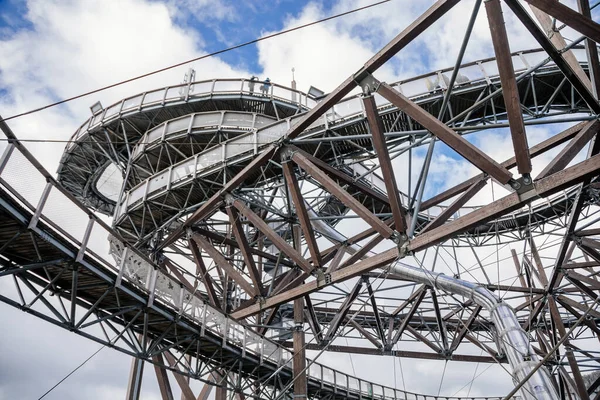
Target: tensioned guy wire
<point>179,64</point>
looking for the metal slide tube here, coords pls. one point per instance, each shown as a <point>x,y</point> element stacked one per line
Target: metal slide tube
<point>509,334</point>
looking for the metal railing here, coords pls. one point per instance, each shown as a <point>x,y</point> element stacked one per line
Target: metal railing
<point>53,205</point>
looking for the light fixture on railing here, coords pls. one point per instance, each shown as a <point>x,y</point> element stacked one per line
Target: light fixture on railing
<point>317,94</point>
<point>96,108</point>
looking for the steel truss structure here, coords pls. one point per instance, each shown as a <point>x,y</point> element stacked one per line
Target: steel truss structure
<point>251,226</point>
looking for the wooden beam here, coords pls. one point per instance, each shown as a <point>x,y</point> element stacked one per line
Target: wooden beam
<point>383,155</point>
<point>559,43</point>
<point>341,275</point>
<point>407,318</point>
<point>439,319</point>
<point>570,151</point>
<point>313,322</point>
<point>466,326</point>
<point>209,206</point>
<point>343,311</point>
<point>542,188</point>
<point>378,323</point>
<point>342,195</point>
<point>277,240</point>
<point>510,90</point>
<point>164,385</point>
<point>362,252</point>
<point>186,391</point>
<point>399,353</point>
<point>204,275</point>
<point>455,206</point>
<point>240,237</point>
<point>224,264</point>
<point>299,205</point>
<point>436,11</point>
<point>540,148</point>
<point>216,237</point>
<point>572,18</point>
<point>364,332</point>
<point>445,134</point>
<point>299,361</point>
<point>581,389</point>
<point>205,392</point>
<point>581,87</point>
<point>592,51</point>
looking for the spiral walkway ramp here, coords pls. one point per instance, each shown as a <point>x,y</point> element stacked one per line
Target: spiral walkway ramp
<point>251,226</point>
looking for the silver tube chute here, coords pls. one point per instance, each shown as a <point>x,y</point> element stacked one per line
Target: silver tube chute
<point>511,337</point>
<point>509,334</point>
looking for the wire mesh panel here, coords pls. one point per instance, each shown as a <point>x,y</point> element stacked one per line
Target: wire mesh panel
<point>20,174</point>
<point>65,214</point>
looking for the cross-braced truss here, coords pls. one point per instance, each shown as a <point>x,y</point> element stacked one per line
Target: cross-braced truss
<point>317,224</point>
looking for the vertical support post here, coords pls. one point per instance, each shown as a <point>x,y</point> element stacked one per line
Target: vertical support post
<point>299,366</point>
<point>510,90</point>
<point>221,391</point>
<point>134,387</point>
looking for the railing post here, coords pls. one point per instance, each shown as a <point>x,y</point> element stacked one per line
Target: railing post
<point>84,241</point>
<point>6,156</point>
<point>38,211</point>
<point>121,267</point>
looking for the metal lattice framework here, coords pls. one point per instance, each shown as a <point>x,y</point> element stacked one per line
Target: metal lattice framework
<point>253,225</point>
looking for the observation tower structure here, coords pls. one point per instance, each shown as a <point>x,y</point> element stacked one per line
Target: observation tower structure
<point>253,223</point>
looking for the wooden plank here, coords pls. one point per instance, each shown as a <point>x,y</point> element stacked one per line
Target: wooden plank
<point>186,391</point>
<point>383,155</point>
<point>240,237</point>
<point>342,195</point>
<point>544,187</point>
<point>209,206</point>
<point>592,51</point>
<point>540,148</point>
<point>298,200</point>
<point>559,43</point>
<point>341,177</point>
<point>204,275</point>
<point>445,134</point>
<point>379,260</point>
<point>570,151</point>
<point>435,12</point>
<point>455,206</point>
<point>299,360</point>
<point>277,240</point>
<point>164,385</point>
<point>224,264</point>
<point>510,91</point>
<point>583,90</point>
<point>572,18</point>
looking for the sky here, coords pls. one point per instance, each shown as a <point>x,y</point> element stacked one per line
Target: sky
<point>54,49</point>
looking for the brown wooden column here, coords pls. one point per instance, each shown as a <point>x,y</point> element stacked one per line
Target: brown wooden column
<point>300,389</point>
<point>568,352</point>
<point>510,91</point>
<point>592,51</point>
<point>387,170</point>
<point>221,389</point>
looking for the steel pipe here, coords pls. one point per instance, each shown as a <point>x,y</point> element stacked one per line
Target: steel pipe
<point>511,337</point>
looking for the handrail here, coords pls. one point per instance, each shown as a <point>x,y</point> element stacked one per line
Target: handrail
<point>48,205</point>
